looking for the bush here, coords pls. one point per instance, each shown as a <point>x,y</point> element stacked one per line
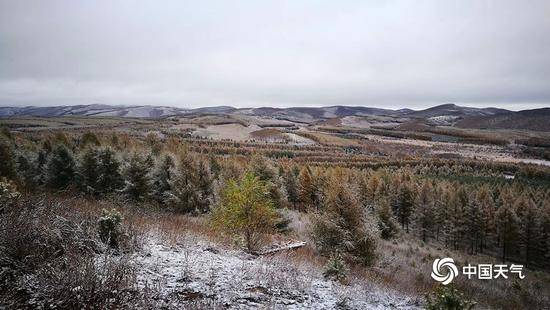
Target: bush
<point>8,193</point>
<point>109,228</point>
<point>336,268</point>
<point>447,298</point>
<point>283,221</point>
<point>48,259</point>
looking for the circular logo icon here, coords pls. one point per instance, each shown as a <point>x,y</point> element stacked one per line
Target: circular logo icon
<point>444,270</point>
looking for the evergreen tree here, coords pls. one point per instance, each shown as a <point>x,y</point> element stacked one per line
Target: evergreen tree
<point>424,211</point>
<point>291,186</point>
<point>386,223</point>
<point>403,206</point>
<point>137,182</point>
<point>110,178</point>
<point>40,164</point>
<point>26,171</point>
<point>473,225</point>
<point>306,190</point>
<point>262,168</point>
<point>487,209</point>
<point>529,221</point>
<point>184,192</point>
<point>60,170</point>
<point>161,176</point>
<point>507,225</point>
<point>88,174</point>
<point>320,187</point>
<point>7,164</point>
<point>545,233</point>
<point>343,226</point>
<point>457,216</point>
<point>205,187</point>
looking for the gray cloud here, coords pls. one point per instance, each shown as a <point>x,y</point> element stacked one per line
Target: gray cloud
<point>281,53</point>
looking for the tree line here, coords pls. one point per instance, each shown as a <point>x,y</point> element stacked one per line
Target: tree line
<point>510,221</point>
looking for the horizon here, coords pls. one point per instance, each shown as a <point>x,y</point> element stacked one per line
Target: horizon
<point>276,54</point>
<point>276,107</point>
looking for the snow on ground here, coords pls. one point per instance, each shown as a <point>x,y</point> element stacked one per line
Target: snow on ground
<point>235,132</point>
<point>299,140</point>
<point>196,272</point>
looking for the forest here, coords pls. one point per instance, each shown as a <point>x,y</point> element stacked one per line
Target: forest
<point>353,211</point>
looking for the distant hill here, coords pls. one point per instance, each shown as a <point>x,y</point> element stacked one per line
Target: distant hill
<point>441,115</point>
<point>537,120</point>
<point>457,111</point>
<point>92,110</point>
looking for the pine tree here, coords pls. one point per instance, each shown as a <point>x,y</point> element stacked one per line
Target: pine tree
<point>320,186</point>
<point>487,209</point>
<point>343,225</point>
<point>205,187</point>
<point>161,176</point>
<point>7,164</point>
<point>306,190</point>
<point>26,171</point>
<point>386,223</point>
<point>528,216</point>
<point>110,178</point>
<point>545,235</point>
<point>403,206</point>
<point>60,170</point>
<point>184,192</point>
<point>88,174</point>
<point>137,182</point>
<point>441,206</point>
<point>291,186</point>
<point>507,225</point>
<point>473,225</point>
<point>457,216</point>
<point>424,211</point>
<point>40,164</point>
<point>262,168</point>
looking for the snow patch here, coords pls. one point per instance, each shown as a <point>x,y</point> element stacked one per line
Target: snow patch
<point>196,271</point>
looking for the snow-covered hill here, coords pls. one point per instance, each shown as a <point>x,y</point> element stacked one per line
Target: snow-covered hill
<point>92,110</point>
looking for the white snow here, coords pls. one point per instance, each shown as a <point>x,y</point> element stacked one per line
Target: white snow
<point>194,271</point>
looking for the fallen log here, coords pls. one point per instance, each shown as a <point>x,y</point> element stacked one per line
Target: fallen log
<point>283,248</point>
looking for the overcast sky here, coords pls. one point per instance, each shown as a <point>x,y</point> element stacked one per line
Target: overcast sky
<point>276,53</point>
